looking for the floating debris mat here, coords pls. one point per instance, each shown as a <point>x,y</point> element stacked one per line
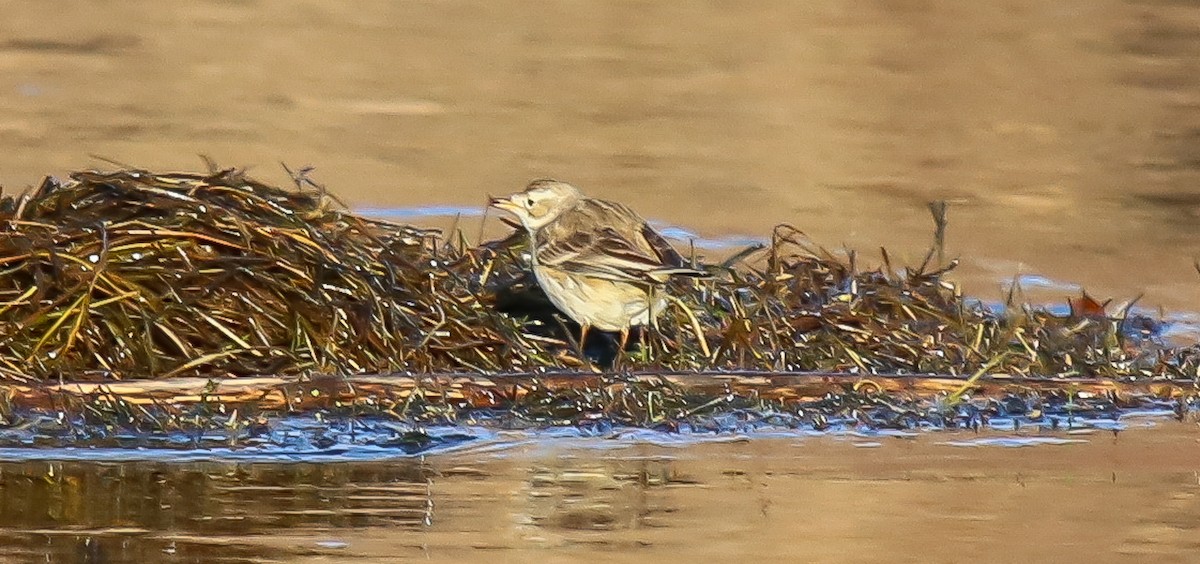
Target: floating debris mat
<point>117,276</point>
<point>404,414</point>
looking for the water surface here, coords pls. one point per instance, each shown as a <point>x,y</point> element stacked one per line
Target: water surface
<point>1093,497</point>
<point>1064,134</point>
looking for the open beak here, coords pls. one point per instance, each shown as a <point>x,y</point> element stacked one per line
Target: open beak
<point>503,203</point>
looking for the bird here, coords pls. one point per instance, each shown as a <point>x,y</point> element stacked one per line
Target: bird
<point>597,261</point>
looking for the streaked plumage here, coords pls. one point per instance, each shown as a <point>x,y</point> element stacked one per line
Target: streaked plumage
<point>597,261</point>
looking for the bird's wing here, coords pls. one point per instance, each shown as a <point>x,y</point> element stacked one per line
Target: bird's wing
<point>665,252</point>
<point>609,241</point>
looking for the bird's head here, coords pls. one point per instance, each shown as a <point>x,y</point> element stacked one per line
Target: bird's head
<point>540,203</point>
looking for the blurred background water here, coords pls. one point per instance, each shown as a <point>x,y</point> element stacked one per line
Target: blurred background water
<point>1065,135</point>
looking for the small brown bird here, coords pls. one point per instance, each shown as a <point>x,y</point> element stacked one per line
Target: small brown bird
<point>597,261</point>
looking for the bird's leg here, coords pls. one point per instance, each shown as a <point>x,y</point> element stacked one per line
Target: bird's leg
<point>622,340</point>
<point>583,331</point>
<point>584,328</point>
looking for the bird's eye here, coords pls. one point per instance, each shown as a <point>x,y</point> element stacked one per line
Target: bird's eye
<point>529,203</point>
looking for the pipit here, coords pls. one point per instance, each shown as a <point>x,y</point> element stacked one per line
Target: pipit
<point>597,261</point>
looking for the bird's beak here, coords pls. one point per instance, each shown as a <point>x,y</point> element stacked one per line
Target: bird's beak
<point>504,204</point>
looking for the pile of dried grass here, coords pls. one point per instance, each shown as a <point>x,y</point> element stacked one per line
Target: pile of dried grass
<point>132,274</point>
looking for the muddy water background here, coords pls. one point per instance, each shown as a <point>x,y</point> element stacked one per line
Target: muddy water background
<point>1066,136</point>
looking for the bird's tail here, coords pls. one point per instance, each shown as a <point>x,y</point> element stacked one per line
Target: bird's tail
<point>661,275</point>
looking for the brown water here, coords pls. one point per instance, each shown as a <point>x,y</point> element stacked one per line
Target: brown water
<point>1066,136</point>
<point>1132,497</point>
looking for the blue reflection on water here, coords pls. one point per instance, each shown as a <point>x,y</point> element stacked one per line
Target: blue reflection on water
<point>308,439</point>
